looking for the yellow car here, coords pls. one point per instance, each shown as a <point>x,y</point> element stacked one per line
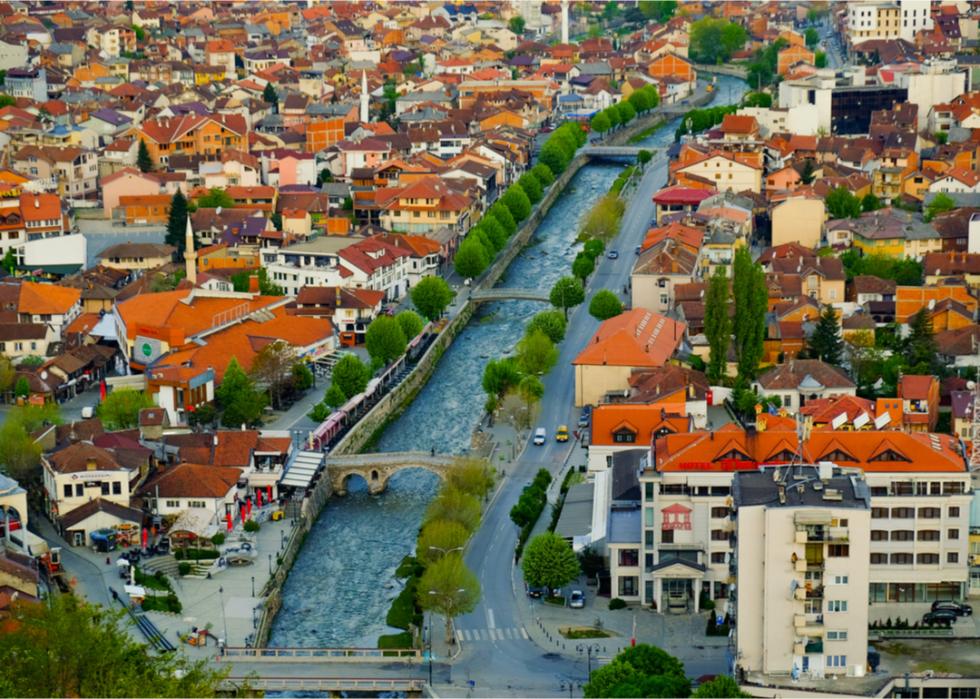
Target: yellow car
<point>278,515</point>
<point>562,434</point>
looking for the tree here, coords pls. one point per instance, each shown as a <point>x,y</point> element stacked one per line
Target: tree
<point>719,687</point>
<point>531,187</point>
<point>121,409</point>
<point>715,40</point>
<point>216,197</point>
<point>501,214</point>
<point>20,456</point>
<point>273,368</point>
<point>717,324</point>
<point>555,156</point>
<point>809,172</point>
<point>626,112</point>
<point>439,538</point>
<point>240,401</point>
<point>551,323</point>
<point>492,228</point>
<point>177,223</point>
<point>605,305</point>
<point>751,300</point>
<point>516,25</point>
<point>333,398</point>
<point>431,296</point>
<point>812,37</point>
<point>594,247</point>
<point>825,343</point>
<point>411,324</point>
<point>64,646</point>
<point>9,262</point>
<point>940,204</point>
<point>350,375</point>
<point>644,157</point>
<point>470,475</point>
<point>543,174</point>
<point>921,352</point>
<point>385,340</point>
<point>613,115</point>
<point>820,59</point>
<point>583,265</point>
<point>536,354</point>
<point>449,588</point>
<point>270,95</point>
<point>517,202</point>
<point>8,373</point>
<point>567,293</point>
<point>531,391</point>
<point>34,417</point>
<point>842,204</point>
<point>757,99</point>
<point>22,388</point>
<point>500,375</point>
<point>600,123</point>
<point>301,376</point>
<point>7,101</point>
<point>549,561</point>
<point>143,159</point>
<point>453,505</point>
<point>870,203</point>
<point>640,671</point>
<point>471,258</point>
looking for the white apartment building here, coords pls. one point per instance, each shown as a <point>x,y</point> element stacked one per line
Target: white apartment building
<point>802,566</point>
<point>887,20</point>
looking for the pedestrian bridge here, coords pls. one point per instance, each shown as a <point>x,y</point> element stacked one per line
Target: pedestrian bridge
<point>504,294</point>
<point>376,469</point>
<point>247,685</point>
<point>612,151</point>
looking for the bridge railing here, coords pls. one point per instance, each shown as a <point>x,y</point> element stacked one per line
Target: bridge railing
<point>321,655</point>
<point>323,684</point>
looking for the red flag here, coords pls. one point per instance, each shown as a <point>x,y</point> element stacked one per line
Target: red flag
<point>268,492</point>
<point>228,519</point>
<point>258,494</point>
<point>102,389</point>
<point>248,508</point>
<point>145,536</point>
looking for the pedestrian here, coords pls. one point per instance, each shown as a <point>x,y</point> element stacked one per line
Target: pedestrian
<point>433,451</point>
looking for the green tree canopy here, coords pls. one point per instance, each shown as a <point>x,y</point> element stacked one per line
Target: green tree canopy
<point>470,475</point>
<point>555,155</point>
<point>471,258</point>
<point>241,403</point>
<point>20,456</point>
<point>751,301</point>
<point>536,353</point>
<point>820,59</point>
<point>811,37</point>
<point>549,560</point>
<point>453,505</point>
<point>717,324</point>
<point>334,397</point>
<point>495,232</point>
<point>583,265</point>
<point>940,204</point>
<point>143,159</point>
<point>869,202</point>
<point>543,174</point>
<point>214,198</point>
<point>385,340</point>
<point>517,202</point>
<point>640,671</point>
<point>600,123</point>
<point>719,687</point>
<point>411,323</point>
<point>567,293</point>
<point>626,112</point>
<point>757,99</point>
<point>432,296</point>
<point>842,204</point>
<point>715,40</point>
<point>516,24</point>
<point>121,409</point>
<point>921,353</point>
<point>502,215</point>
<point>449,588</point>
<point>350,375</point>
<point>64,647</point>
<point>270,95</point>
<point>825,343</point>
<point>551,323</point>
<point>438,538</point>
<point>531,187</point>
<point>605,305</point>
<point>500,375</point>
<point>177,223</point>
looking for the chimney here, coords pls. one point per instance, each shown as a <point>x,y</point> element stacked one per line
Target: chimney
<point>253,283</point>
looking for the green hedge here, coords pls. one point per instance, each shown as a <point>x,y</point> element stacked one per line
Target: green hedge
<point>403,612</point>
<point>395,641</point>
<point>170,603</point>
<point>617,603</point>
<point>191,554</point>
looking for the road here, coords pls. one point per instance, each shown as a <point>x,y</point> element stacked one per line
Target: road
<point>527,668</point>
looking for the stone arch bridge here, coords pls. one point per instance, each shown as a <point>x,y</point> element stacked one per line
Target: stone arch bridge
<point>376,469</point>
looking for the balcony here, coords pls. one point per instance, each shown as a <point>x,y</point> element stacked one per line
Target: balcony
<point>813,647</point>
<point>808,624</point>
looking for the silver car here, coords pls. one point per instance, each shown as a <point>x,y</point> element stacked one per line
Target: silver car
<point>576,600</point>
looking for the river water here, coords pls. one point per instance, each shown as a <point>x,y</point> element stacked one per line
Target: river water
<point>342,582</point>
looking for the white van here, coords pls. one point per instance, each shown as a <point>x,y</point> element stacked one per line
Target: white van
<point>539,436</point>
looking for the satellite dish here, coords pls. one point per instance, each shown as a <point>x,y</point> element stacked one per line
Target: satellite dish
<point>44,376</point>
<point>970,385</point>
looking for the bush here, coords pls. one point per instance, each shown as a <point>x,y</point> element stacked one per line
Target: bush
<point>218,539</point>
<point>409,567</point>
<point>170,603</point>
<point>192,554</point>
<point>395,641</point>
<point>251,526</point>
<point>184,568</point>
<point>714,629</point>
<point>402,613</point>
<point>617,603</point>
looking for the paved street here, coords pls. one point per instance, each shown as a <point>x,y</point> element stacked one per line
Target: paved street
<point>504,649</point>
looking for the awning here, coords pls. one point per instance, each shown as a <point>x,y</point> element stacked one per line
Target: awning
<point>301,469</point>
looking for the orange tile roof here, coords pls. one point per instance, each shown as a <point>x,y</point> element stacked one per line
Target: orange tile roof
<point>936,453</point>
<point>46,299</point>
<point>194,481</point>
<point>644,420</point>
<point>169,309</point>
<point>636,338</point>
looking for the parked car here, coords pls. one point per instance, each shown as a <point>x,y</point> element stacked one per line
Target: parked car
<point>539,436</point>
<point>957,608</point>
<point>537,592</point>
<point>576,600</point>
<point>613,254</point>
<point>583,419</point>
<point>561,434</point>
<point>943,617</point>
<point>638,249</point>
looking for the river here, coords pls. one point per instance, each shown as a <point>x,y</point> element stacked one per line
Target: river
<point>342,582</point>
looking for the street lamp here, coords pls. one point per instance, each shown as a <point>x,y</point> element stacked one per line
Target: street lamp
<point>270,565</point>
<point>588,648</point>
<point>253,586</point>
<point>282,539</point>
<point>445,552</point>
<point>224,619</point>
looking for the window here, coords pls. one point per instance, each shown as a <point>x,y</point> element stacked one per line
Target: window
<point>197,504</point>
<point>79,490</point>
<point>927,558</point>
<point>837,661</point>
<point>952,557</point>
<point>629,557</point>
<point>954,512</point>
<point>929,513</point>
<point>172,503</point>
<point>627,586</point>
<point>719,535</point>
<point>838,551</point>
<point>719,512</point>
<point>648,491</point>
<point>901,559</point>
<point>879,559</point>
<point>952,533</point>
<point>902,535</point>
<point>928,535</point>
<point>840,580</point>
<point>718,557</point>
<point>903,512</point>
<point>837,635</point>
<point>667,536</point>
<point>104,486</point>
<point>837,605</point>
<point>67,490</point>
<point>116,488</point>
<point>879,513</point>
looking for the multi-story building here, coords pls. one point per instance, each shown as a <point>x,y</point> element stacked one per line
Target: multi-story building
<point>802,570</point>
<point>193,134</point>
<point>887,20</point>
<point>920,500</point>
<point>31,83</point>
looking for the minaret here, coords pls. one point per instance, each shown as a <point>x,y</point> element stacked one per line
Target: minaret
<point>365,97</point>
<point>564,21</point>
<point>190,254</point>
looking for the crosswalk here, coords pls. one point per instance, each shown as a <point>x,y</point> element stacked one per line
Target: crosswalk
<point>488,635</point>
